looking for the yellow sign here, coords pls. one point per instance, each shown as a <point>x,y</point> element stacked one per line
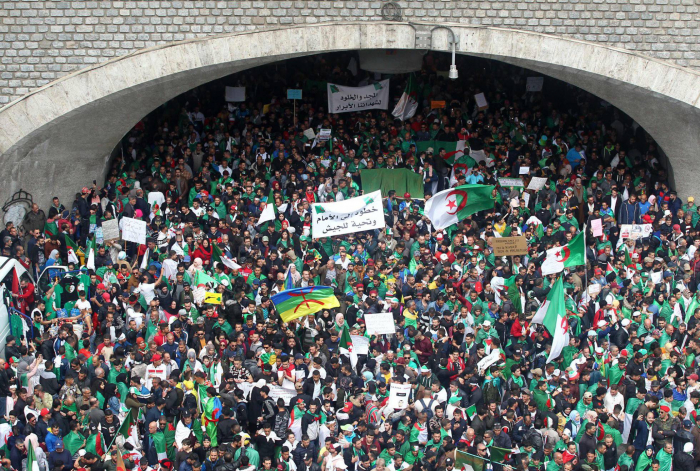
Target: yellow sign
<point>212,298</point>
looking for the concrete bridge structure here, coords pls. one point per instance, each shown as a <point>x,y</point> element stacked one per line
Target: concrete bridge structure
<point>76,76</point>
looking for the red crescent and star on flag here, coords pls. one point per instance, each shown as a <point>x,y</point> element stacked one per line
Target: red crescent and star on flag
<point>456,200</point>
<point>563,254</point>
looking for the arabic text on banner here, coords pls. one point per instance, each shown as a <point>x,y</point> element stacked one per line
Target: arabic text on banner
<point>345,217</point>
<point>343,99</point>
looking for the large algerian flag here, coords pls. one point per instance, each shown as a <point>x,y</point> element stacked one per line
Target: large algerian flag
<point>408,103</point>
<point>72,250</point>
<point>570,255</point>
<point>453,150</point>
<point>690,310</point>
<point>346,348</point>
<point>95,444</point>
<point>159,442</point>
<point>552,315</point>
<point>32,463</point>
<point>218,255</point>
<point>451,206</point>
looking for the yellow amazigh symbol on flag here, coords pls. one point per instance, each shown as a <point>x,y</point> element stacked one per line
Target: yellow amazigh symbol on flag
<point>212,298</point>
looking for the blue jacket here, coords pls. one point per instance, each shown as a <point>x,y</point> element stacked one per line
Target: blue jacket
<point>643,430</point>
<point>629,213</point>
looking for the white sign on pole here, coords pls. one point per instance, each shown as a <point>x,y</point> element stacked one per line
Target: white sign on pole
<point>363,213</point>
<point>360,344</point>
<point>635,231</point>
<point>481,102</point>
<point>537,183</point>
<point>134,230</point>
<point>380,324</point>
<point>534,84</point>
<point>399,396</point>
<point>235,94</point>
<point>110,229</point>
<point>343,99</point>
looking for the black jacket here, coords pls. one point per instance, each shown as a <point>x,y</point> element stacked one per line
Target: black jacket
<point>683,462</point>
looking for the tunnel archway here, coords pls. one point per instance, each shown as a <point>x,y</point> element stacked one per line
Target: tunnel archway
<point>65,131</point>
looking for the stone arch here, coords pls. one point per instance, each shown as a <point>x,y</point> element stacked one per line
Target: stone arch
<point>66,130</point>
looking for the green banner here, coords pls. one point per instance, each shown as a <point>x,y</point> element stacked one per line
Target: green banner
<point>402,180</point>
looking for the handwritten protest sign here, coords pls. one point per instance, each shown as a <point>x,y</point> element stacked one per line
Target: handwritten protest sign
<point>537,183</point>
<point>134,230</point>
<point>110,229</point>
<point>360,344</point>
<point>597,227</point>
<point>278,392</point>
<point>380,324</point>
<point>344,217</point>
<point>509,246</point>
<point>343,99</point>
<point>510,182</point>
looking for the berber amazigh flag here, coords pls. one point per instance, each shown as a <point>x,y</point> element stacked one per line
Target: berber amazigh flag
<point>448,207</point>
<point>570,255</point>
<point>552,315</point>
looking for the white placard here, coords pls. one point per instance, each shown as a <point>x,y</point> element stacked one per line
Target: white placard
<point>276,392</point>
<point>515,202</point>
<point>343,99</point>
<point>134,230</point>
<point>235,93</point>
<point>537,183</point>
<point>534,84</point>
<point>324,135</point>
<point>110,229</point>
<point>481,101</point>
<point>399,396</point>
<point>360,344</point>
<point>512,182</point>
<point>594,289</point>
<point>380,324</point>
<point>363,213</point>
<point>524,170</point>
<point>597,227</point>
<point>657,277</point>
<point>199,294</point>
<point>526,198</point>
<point>635,231</point>
<point>310,134</point>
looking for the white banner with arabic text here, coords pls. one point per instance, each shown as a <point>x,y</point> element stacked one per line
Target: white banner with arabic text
<point>343,99</point>
<point>363,213</point>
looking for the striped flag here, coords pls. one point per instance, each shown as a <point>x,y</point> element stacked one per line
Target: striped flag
<point>32,463</point>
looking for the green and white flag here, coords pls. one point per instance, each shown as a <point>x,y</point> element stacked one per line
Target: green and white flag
<point>570,255</point>
<point>346,348</point>
<point>72,250</point>
<point>552,315</point>
<point>451,206</point>
<point>159,442</point>
<point>32,463</point>
<point>408,103</point>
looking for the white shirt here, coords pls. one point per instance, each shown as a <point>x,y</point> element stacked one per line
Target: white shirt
<point>153,371</point>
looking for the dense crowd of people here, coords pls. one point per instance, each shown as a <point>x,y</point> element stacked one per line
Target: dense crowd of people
<point>136,364</point>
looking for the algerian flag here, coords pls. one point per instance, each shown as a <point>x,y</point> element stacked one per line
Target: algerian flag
<point>690,310</point>
<point>408,103</point>
<point>146,257</point>
<point>72,249</point>
<point>95,444</point>
<point>90,263</point>
<point>471,411</point>
<point>32,463</point>
<point>159,442</point>
<point>217,255</point>
<point>346,348</point>
<point>570,255</point>
<point>454,151</point>
<point>552,315</point>
<point>125,427</point>
<point>451,206</point>
<point>268,214</point>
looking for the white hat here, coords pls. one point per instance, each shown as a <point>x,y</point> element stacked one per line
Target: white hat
<point>556,372</point>
<point>487,322</point>
<point>636,313</point>
<point>602,323</point>
<point>688,447</point>
<point>625,322</point>
<point>599,350</point>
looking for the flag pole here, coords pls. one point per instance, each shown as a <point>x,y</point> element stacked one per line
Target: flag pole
<point>585,261</point>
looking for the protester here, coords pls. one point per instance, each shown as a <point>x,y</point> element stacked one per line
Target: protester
<point>234,339</point>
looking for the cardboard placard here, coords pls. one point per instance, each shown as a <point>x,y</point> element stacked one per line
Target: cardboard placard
<point>594,289</point>
<point>537,183</point>
<point>481,102</point>
<point>360,344</point>
<point>110,229</point>
<point>399,395</point>
<point>506,246</point>
<point>294,94</point>
<point>597,227</point>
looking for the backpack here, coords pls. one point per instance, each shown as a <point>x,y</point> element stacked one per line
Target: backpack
<point>491,393</point>
<point>242,413</point>
<point>427,408</point>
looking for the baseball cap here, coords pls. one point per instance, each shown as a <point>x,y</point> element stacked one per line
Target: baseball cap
<point>156,357</point>
<point>45,412</point>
